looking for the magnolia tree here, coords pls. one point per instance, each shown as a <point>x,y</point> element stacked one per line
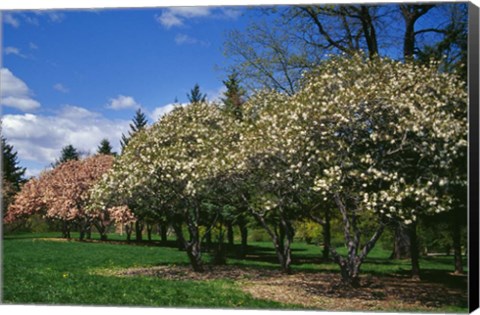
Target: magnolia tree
<point>167,167</point>
<point>386,135</point>
<point>63,193</point>
<point>375,139</point>
<point>274,158</point>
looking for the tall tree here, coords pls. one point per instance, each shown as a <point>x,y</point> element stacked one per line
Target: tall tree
<point>195,96</point>
<point>234,96</point>
<point>105,148</point>
<point>12,173</point>
<point>274,55</point>
<point>11,170</point>
<point>411,13</point>
<point>139,122</point>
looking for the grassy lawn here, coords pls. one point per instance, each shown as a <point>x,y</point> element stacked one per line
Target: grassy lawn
<point>43,270</point>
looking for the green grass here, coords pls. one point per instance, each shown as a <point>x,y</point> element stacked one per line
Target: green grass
<point>42,271</point>
<point>52,272</point>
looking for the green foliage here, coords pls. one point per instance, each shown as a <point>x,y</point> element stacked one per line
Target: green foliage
<point>308,231</point>
<point>195,96</point>
<point>69,152</point>
<point>139,122</point>
<point>105,148</point>
<point>12,172</point>
<point>234,96</point>
<point>259,235</point>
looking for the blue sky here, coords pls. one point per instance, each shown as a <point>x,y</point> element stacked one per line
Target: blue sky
<point>77,76</point>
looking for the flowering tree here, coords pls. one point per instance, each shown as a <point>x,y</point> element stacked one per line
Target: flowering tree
<point>388,134</point>
<point>375,139</point>
<point>166,168</point>
<point>63,193</point>
<point>272,151</point>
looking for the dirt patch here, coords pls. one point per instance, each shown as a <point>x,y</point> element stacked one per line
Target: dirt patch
<point>319,290</point>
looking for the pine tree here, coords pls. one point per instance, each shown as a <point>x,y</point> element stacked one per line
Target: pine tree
<point>195,96</point>
<point>105,148</point>
<point>11,171</point>
<point>69,152</point>
<point>234,96</point>
<point>12,174</point>
<point>139,121</point>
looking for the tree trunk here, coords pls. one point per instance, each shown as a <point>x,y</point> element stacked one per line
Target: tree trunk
<point>409,40</point>
<point>163,232</point>
<point>230,233</point>
<point>457,246</point>
<point>192,247</point>
<point>287,252</point>
<point>219,256</point>
<point>401,243</point>
<point>180,238</point>
<point>369,31</point>
<point>414,254</point>
<point>350,265</point>
<point>326,236</point>
<point>128,231</point>
<point>101,230</point>
<point>350,271</point>
<point>138,230</point>
<point>149,231</point>
<point>89,232</point>
<point>411,13</point>
<point>282,249</point>
<point>244,237</point>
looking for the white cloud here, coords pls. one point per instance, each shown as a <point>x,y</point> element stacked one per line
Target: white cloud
<point>183,39</point>
<point>23,104</point>
<point>122,102</point>
<point>59,87</point>
<point>33,17</point>
<point>168,19</point>
<point>14,51</point>
<point>158,112</point>
<point>39,139</point>
<point>15,93</point>
<point>178,15</point>
<point>77,113</point>
<point>9,19</point>
<point>216,95</point>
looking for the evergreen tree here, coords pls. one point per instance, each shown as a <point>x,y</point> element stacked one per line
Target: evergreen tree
<point>11,171</point>
<point>234,96</point>
<point>69,152</point>
<point>195,96</point>
<point>105,148</point>
<point>139,121</point>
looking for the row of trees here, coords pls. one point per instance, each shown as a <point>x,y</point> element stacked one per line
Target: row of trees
<point>373,141</point>
<point>369,142</point>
